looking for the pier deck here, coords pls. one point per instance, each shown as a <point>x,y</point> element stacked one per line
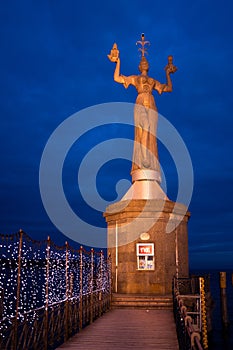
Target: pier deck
<point>128,329</point>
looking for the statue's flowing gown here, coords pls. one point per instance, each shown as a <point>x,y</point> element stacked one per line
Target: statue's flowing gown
<point>145,155</point>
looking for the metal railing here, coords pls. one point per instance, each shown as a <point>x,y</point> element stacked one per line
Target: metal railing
<point>72,288</point>
<point>190,313</point>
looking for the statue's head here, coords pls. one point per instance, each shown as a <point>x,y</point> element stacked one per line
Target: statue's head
<point>143,65</point>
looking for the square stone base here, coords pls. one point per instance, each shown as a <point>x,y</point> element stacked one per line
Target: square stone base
<point>161,222</point>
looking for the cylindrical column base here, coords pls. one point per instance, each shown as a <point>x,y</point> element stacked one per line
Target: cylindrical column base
<point>146,174</point>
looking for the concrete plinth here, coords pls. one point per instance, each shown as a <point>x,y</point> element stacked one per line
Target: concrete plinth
<point>158,221</point>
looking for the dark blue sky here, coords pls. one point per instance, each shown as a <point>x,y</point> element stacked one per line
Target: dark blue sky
<point>53,63</point>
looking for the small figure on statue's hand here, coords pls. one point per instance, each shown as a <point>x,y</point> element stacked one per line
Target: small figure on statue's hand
<point>114,54</point>
<point>170,68</point>
<point>145,154</point>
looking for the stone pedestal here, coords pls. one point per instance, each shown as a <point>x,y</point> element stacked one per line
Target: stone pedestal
<point>158,221</point>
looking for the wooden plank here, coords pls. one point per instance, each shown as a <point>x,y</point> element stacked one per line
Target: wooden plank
<point>128,329</point>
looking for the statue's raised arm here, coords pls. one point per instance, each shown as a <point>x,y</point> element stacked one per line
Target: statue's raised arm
<point>170,69</point>
<point>119,78</point>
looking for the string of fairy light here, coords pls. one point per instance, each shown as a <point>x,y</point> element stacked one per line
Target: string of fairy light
<point>39,273</point>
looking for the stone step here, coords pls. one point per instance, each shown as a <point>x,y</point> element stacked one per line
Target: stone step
<point>142,301</point>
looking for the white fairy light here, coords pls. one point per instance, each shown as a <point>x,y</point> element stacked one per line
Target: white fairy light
<point>65,265</point>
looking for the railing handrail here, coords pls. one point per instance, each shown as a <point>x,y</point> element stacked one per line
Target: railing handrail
<point>52,304</point>
<point>179,307</point>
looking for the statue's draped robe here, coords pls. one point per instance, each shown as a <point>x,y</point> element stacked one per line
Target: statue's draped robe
<point>145,154</point>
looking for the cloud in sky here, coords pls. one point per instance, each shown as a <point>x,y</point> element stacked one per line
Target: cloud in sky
<point>53,63</point>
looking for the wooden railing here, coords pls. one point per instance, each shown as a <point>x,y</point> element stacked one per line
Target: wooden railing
<point>65,318</point>
<point>81,279</point>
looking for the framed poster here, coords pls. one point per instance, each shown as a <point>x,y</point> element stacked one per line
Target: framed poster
<point>145,256</point>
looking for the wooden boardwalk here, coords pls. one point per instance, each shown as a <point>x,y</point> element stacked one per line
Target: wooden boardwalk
<point>121,329</point>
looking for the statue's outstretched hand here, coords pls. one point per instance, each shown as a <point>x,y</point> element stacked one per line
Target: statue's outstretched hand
<point>114,54</point>
<point>170,68</point>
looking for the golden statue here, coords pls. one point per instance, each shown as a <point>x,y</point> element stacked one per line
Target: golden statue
<point>145,155</point>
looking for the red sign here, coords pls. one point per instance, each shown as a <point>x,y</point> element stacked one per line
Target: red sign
<point>145,249</point>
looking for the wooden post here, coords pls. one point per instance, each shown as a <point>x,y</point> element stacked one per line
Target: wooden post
<point>92,282</point>
<point>66,318</point>
<point>81,288</point>
<point>101,283</point>
<point>177,252</point>
<point>71,284</point>
<point>15,336</point>
<point>46,323</point>
<point>116,264</point>
<point>223,293</point>
<point>110,279</point>
<point>1,302</point>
